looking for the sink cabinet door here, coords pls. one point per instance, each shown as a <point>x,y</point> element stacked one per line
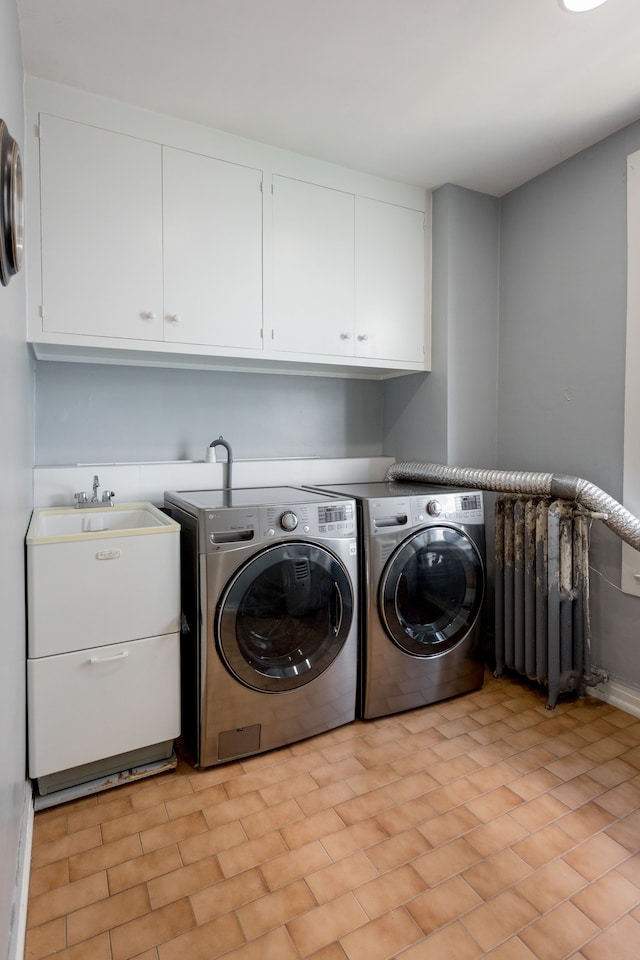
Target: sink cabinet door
<point>212,217</point>
<point>98,703</point>
<point>101,223</point>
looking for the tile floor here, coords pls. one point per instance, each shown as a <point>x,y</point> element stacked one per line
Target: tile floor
<point>485,826</point>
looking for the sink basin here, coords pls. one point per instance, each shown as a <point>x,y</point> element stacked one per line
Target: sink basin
<point>70,523</point>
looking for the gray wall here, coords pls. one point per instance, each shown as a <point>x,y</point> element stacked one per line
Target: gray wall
<point>449,415</point>
<point>16,442</point>
<point>94,413</point>
<point>562,353</point>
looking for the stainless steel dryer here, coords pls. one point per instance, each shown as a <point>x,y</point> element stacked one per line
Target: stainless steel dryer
<point>422,590</point>
<point>269,626</point>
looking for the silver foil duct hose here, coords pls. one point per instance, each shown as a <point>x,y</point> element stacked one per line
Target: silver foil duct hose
<point>561,486</point>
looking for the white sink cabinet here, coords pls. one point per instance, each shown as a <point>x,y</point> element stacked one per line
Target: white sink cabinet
<point>103,668</point>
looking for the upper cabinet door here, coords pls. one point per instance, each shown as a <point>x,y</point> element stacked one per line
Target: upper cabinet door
<point>390,281</point>
<point>212,251</point>
<point>101,232</point>
<point>313,298</point>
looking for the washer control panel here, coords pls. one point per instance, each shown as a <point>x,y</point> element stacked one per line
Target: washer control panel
<point>392,514</point>
<point>235,526</point>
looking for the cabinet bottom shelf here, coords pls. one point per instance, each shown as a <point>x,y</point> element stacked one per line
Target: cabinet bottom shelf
<point>90,778</point>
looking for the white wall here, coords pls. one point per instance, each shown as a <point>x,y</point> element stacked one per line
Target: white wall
<point>16,443</point>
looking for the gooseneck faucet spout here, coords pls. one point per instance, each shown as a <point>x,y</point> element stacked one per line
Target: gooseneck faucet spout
<point>221,442</point>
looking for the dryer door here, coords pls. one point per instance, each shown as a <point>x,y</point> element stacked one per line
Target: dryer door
<point>431,591</point>
<point>284,617</point>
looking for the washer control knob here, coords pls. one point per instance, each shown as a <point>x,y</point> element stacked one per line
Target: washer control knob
<point>434,508</point>
<point>288,521</point>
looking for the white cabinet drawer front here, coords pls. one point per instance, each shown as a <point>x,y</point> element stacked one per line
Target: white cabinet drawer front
<point>101,702</point>
<point>99,592</point>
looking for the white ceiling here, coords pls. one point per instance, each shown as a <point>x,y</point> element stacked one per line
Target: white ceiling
<point>482,93</point>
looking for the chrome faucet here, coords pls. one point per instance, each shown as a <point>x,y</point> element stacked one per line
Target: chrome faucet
<point>221,442</point>
<point>82,500</point>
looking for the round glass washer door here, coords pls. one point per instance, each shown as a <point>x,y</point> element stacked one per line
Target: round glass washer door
<point>431,591</point>
<point>284,617</point>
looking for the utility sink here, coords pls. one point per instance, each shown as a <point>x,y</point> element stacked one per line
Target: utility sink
<point>71,523</point>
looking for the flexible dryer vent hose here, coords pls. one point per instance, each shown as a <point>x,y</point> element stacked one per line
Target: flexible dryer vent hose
<point>592,498</point>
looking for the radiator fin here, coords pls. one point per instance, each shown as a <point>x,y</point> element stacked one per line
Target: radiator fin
<point>542,592</point>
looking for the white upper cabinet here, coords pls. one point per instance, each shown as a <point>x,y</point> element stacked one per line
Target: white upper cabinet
<point>389,281</point>
<point>212,218</point>
<point>156,241</point>
<point>101,226</point>
<point>313,296</point>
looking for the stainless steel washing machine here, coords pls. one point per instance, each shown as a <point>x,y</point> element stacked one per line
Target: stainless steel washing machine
<point>422,594</point>
<point>269,623</point>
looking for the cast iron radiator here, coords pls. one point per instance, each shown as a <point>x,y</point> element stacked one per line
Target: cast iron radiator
<point>542,592</point>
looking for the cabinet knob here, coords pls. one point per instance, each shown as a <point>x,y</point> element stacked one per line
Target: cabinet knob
<point>149,315</point>
<point>363,336</point>
<point>345,336</point>
<point>174,318</point>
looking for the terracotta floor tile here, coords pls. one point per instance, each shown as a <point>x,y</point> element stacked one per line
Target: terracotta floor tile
<point>449,825</point>
<point>326,924</point>
<point>46,878</point>
<point>143,868</point>
<point>560,933</point>
<point>153,929</point>
<point>455,728</point>
<point>539,812</point>
<point>287,789</point>
<point>213,841</point>
<point>495,874</point>
<point>620,800</point>
<point>227,895</point>
<point>101,858</point>
<point>497,774</point>
<point>405,815</point>
<point>446,861</point>
<point>382,938</point>
<point>332,952</point>
<point>98,948</point>
<point>183,881</point>
<point>399,849</point>
<point>192,802</point>
<point>444,903</point>
<point>451,942</point>
<point>543,846</point>
<point>496,835</point>
<point>596,856</point>
<point>276,945</point>
<point>324,797</point>
<point>499,918</point>
<point>445,771</point>
<point>515,949</point>
<point>457,747</point>
<point>631,869</point>
<point>380,776</point>
<point>295,864</point>
<point>173,831</point>
<point>332,772</point>
<point>251,853</point>
<point>493,804</point>
<point>531,759</point>
<point>65,846</point>
<point>204,942</point>
<point>347,841</point>
<point>62,900</point>
<point>338,878</point>
<point>416,785</point>
<point>232,810</point>
<point>390,891</point>
<point>103,916</point>
<point>275,909</point>
<point>627,832</point>
<point>385,754</point>
<point>315,827</point>
<point>606,900</point>
<point>274,817</point>
<point>46,939</point>
<point>620,942</point>
<point>49,825</point>
<point>550,885</point>
<point>579,790</point>
<point>587,820</point>
<point>250,782</point>
<point>452,795</point>
<point>160,790</point>
<point>134,823</point>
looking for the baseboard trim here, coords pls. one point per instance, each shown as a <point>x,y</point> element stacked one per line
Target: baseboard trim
<point>618,695</point>
<point>18,930</point>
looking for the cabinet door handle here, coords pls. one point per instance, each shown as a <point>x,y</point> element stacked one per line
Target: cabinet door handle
<point>174,318</point>
<point>345,336</point>
<point>116,656</point>
<point>363,336</point>
<point>149,315</point>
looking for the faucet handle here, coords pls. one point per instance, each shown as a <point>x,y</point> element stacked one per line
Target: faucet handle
<point>80,498</point>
